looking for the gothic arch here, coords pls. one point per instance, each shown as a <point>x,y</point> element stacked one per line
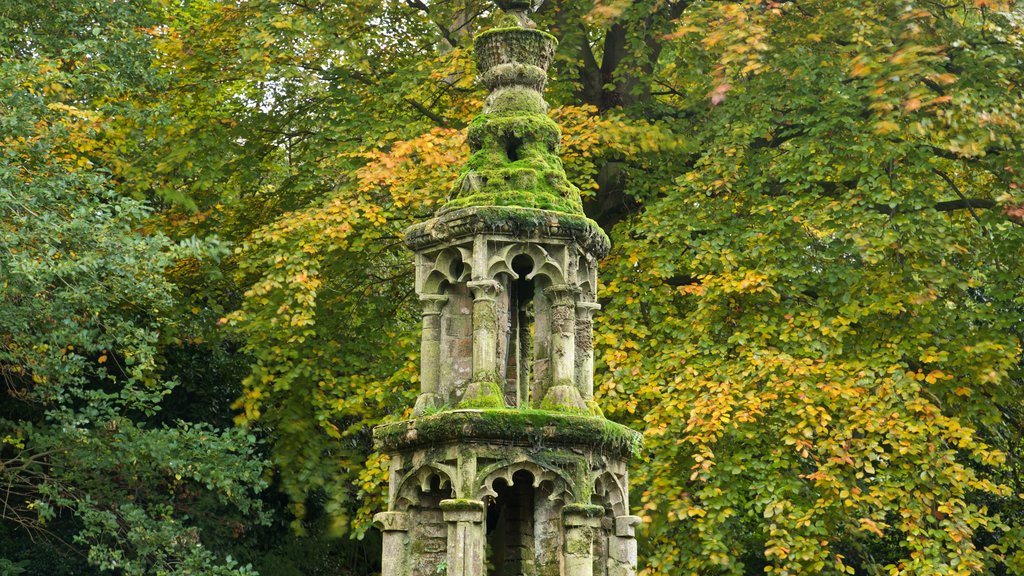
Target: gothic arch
<point>560,483</point>
<point>418,481</point>
<point>450,266</point>
<point>613,492</point>
<point>586,278</point>
<point>543,264</point>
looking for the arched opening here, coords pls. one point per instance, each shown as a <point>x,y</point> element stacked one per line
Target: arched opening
<point>602,537</point>
<point>519,336</point>
<point>512,145</point>
<point>510,527</point>
<point>428,527</point>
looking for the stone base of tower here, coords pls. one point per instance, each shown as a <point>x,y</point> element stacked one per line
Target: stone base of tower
<point>501,492</point>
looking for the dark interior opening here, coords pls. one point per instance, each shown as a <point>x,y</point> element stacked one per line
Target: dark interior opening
<point>512,148</point>
<point>520,335</point>
<point>457,268</point>
<point>510,529</point>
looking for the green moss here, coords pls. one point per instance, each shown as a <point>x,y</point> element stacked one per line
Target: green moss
<point>515,163</point>
<point>524,427</point>
<point>517,30</point>
<point>457,222</point>
<point>483,393</point>
<point>462,504</point>
<point>584,510</point>
<point>515,100</point>
<point>495,131</point>
<point>563,397</point>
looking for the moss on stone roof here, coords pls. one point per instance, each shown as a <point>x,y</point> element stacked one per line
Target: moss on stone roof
<point>525,427</point>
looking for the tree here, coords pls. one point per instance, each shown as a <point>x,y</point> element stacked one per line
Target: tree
<point>87,312</point>
<point>813,303</point>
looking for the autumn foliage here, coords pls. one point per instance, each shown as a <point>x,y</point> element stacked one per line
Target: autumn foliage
<point>812,307</point>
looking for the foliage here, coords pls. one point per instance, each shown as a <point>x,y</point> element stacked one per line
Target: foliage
<point>825,351</point>
<point>812,307</point>
<point>87,311</point>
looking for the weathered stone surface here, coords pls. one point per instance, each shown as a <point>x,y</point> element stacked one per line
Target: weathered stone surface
<point>392,521</point>
<point>625,526</point>
<point>510,427</point>
<point>507,453</point>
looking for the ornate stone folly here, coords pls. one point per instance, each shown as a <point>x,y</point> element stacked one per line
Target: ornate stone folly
<point>508,467</point>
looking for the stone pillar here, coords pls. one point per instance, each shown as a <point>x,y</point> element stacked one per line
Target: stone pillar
<point>585,349</point>
<point>485,329</point>
<point>466,536</point>
<point>582,523</point>
<point>622,553</point>
<point>430,353</point>
<point>395,526</point>
<point>563,393</point>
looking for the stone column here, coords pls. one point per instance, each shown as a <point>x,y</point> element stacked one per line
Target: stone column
<point>582,523</point>
<point>485,329</point>
<point>585,349</point>
<point>430,353</point>
<point>622,553</point>
<point>465,536</point>
<point>395,526</point>
<point>563,393</point>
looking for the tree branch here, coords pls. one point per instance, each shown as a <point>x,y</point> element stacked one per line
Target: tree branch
<point>956,189</point>
<point>438,119</point>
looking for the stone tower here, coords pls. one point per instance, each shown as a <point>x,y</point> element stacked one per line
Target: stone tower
<point>508,467</point>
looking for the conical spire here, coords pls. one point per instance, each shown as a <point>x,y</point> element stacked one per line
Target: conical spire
<point>514,145</point>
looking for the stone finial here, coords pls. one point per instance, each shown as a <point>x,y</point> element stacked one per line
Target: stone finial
<point>514,145</point>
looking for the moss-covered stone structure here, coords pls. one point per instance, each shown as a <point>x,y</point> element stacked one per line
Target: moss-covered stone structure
<point>508,468</point>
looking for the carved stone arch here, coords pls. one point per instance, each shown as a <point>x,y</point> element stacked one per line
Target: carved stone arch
<point>588,292</point>
<point>450,267</point>
<point>543,264</point>
<point>561,484</point>
<point>611,489</point>
<point>586,277</point>
<point>435,283</point>
<point>418,481</point>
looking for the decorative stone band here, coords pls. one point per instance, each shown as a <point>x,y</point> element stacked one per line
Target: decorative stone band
<point>514,45</point>
<point>519,5</point>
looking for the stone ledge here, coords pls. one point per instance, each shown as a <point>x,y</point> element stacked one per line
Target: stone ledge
<point>520,427</point>
<point>392,521</point>
<point>518,222</point>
